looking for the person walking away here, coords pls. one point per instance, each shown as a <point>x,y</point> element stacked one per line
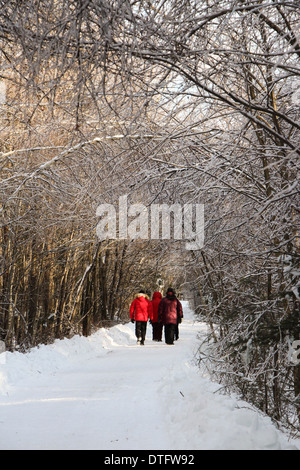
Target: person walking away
<point>157,326</point>
<point>140,312</point>
<point>168,311</point>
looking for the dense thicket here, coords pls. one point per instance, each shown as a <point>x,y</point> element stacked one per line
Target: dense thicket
<point>178,101</point>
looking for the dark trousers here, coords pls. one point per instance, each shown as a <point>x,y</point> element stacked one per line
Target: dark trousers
<point>157,331</point>
<point>140,330</point>
<point>170,333</point>
<point>177,331</point>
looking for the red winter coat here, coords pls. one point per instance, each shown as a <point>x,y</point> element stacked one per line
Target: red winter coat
<point>155,303</point>
<point>141,308</point>
<point>169,310</point>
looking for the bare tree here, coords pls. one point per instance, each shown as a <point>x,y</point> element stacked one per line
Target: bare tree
<point>165,101</point>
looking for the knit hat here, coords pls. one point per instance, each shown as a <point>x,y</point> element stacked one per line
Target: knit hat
<point>170,291</point>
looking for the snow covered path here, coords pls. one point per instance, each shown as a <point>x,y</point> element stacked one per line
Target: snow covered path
<point>105,392</point>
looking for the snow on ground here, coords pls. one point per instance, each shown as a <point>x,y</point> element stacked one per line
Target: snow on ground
<point>105,392</point>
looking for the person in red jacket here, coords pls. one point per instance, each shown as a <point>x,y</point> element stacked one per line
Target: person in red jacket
<point>157,326</point>
<point>170,312</point>
<point>140,312</point>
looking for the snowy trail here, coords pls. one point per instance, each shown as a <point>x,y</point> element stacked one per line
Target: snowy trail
<point>104,392</point>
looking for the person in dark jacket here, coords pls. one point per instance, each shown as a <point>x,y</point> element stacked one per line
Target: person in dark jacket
<point>157,326</point>
<point>169,310</point>
<point>140,312</point>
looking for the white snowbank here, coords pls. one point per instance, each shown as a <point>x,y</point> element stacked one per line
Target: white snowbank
<point>105,392</point>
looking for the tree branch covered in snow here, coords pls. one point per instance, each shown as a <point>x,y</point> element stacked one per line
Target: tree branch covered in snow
<point>178,101</point>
